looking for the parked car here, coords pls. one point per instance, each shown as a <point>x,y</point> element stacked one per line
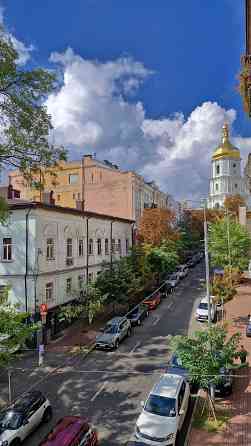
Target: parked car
<point>248,329</point>
<point>153,300</point>
<point>182,271</point>
<point>222,388</point>
<point>114,332</point>
<point>173,280</point>
<point>71,431</point>
<point>202,310</point>
<point>137,315</point>
<point>165,289</point>
<point>164,411</point>
<point>23,417</point>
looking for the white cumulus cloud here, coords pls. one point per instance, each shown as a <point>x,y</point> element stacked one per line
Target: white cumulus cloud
<point>24,52</point>
<point>94,111</point>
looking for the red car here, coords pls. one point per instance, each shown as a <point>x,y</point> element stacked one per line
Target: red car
<point>153,301</point>
<point>71,431</point>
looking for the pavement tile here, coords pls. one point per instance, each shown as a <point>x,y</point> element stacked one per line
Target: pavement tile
<point>238,429</point>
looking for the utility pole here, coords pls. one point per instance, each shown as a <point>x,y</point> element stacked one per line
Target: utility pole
<point>207,265</point>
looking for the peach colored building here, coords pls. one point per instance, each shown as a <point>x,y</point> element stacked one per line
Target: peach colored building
<point>96,186</point>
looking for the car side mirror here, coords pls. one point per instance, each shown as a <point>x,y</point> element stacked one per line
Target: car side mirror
<point>142,403</point>
<point>25,422</point>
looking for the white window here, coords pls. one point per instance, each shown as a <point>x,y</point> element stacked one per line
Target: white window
<point>113,246</point>
<point>49,291</point>
<point>90,246</point>
<point>68,285</point>
<point>106,246</point>
<point>73,178</point>
<point>69,248</point>
<point>119,246</point>
<point>81,247</point>
<point>81,281</point>
<point>99,246</point>
<point>50,249</point>
<point>7,249</point>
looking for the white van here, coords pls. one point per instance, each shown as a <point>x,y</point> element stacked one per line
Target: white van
<point>164,411</point>
<point>202,310</point>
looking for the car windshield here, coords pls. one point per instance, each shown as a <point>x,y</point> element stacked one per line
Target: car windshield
<point>111,329</point>
<point>203,306</point>
<point>161,405</point>
<point>10,420</point>
<point>176,361</point>
<point>133,313</point>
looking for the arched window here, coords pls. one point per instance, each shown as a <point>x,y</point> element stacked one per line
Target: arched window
<point>217,169</point>
<point>217,206</point>
<point>90,246</point>
<point>216,186</point>
<point>106,246</point>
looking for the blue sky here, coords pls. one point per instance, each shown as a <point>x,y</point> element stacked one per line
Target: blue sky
<point>189,57</point>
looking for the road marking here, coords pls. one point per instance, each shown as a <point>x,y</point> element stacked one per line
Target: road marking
<point>170,305</point>
<point>99,391</point>
<point>156,320</point>
<point>135,347</point>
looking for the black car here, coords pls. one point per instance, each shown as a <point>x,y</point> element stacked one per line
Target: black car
<point>166,289</point>
<point>191,263</point>
<point>137,315</point>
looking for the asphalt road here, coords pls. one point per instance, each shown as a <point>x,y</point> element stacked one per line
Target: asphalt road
<point>108,387</point>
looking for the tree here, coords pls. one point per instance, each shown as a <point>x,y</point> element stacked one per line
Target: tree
<point>204,353</point>
<point>157,225</point>
<point>25,124</point>
<point>233,202</point>
<point>13,326</point>
<point>229,244</point>
<point>163,259</point>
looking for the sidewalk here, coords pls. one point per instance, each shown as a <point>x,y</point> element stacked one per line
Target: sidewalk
<point>77,335</point>
<point>238,430</point>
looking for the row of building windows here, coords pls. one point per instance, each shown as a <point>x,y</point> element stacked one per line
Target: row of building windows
<point>217,186</point>
<point>218,168</point>
<point>49,287</point>
<point>7,250</point>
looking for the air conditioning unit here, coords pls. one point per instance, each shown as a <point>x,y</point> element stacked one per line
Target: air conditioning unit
<point>69,261</point>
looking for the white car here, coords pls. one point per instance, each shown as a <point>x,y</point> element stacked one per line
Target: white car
<point>164,411</point>
<point>173,280</point>
<point>202,310</point>
<point>24,416</point>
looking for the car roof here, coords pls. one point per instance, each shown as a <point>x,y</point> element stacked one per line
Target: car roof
<point>65,431</point>
<point>168,385</point>
<point>23,403</point>
<point>115,320</point>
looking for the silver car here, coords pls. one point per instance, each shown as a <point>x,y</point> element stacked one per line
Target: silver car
<point>114,332</point>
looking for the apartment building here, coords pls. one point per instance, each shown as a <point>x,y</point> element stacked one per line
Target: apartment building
<point>49,253</point>
<point>96,186</point>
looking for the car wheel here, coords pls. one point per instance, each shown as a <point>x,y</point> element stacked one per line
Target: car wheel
<point>47,416</point>
<point>15,442</point>
<point>139,321</point>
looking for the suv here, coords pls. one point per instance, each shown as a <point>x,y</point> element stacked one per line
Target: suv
<point>137,315</point>
<point>22,417</point>
<point>71,431</point>
<point>114,332</point>
<point>174,280</point>
<point>164,411</point>
<point>202,310</point>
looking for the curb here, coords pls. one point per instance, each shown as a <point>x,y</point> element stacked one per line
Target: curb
<point>187,439</point>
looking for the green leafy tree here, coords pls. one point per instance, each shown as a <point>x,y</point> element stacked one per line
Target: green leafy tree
<point>14,330</point>
<point>204,353</point>
<point>163,259</point>
<point>229,244</point>
<point>25,123</point>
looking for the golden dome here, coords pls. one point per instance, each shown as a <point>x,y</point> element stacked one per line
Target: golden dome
<point>226,149</point>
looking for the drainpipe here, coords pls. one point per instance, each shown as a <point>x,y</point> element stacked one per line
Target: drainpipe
<point>111,247</point>
<point>87,250</point>
<point>26,257</point>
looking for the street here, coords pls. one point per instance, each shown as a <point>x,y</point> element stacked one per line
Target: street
<point>108,387</point>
